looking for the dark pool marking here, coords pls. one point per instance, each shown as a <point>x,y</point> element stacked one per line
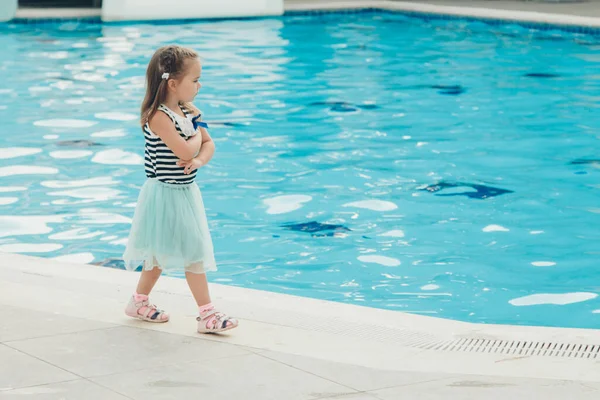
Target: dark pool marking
<point>78,143</point>
<point>582,161</point>
<point>342,106</point>
<point>541,75</point>
<point>507,34</point>
<point>316,229</point>
<point>442,89</point>
<point>550,38</point>
<point>358,27</point>
<point>230,124</point>
<point>449,89</point>
<point>482,191</point>
<point>391,20</point>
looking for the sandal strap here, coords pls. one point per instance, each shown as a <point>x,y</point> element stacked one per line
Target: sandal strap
<point>216,316</point>
<point>222,318</point>
<point>151,311</point>
<point>224,321</point>
<point>157,313</point>
<point>209,314</point>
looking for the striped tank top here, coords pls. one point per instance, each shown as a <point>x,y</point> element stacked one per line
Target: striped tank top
<point>159,161</point>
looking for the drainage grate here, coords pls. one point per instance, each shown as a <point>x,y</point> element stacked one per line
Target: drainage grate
<point>518,348</point>
<point>408,337</point>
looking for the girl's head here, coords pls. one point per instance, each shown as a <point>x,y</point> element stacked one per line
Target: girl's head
<point>174,72</point>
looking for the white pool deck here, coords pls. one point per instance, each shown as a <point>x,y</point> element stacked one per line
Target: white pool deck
<point>63,335</point>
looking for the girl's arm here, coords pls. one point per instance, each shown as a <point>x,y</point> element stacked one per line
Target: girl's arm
<point>207,150</point>
<point>163,127</point>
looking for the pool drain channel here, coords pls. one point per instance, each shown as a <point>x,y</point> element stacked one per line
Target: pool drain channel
<point>518,348</point>
<point>442,341</point>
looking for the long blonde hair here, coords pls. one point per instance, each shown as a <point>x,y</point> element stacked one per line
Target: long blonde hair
<point>170,59</point>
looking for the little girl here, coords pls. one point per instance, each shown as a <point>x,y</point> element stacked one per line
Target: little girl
<point>169,229</point>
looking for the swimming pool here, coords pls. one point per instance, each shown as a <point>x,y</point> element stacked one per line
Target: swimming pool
<point>447,168</point>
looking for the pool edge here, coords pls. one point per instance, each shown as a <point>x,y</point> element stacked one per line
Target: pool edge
<point>479,13</point>
<point>535,20</point>
<point>389,340</point>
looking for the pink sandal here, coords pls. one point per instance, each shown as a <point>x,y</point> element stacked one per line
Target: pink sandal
<point>142,309</point>
<point>213,321</point>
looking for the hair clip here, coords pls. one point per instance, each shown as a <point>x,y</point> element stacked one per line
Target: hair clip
<point>165,75</point>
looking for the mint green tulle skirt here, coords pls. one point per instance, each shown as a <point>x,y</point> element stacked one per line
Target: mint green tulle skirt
<point>170,230</point>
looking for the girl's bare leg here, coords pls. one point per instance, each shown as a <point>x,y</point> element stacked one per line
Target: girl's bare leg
<point>210,320</point>
<point>139,305</point>
<point>147,280</point>
<point>199,287</point>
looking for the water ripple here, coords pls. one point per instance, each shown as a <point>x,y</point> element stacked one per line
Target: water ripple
<point>458,155</point>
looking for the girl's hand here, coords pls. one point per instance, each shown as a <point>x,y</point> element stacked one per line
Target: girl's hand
<point>190,166</point>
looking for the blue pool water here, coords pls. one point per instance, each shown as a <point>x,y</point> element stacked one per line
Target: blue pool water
<point>447,168</point>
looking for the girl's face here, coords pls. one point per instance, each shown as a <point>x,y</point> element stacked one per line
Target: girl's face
<point>186,88</point>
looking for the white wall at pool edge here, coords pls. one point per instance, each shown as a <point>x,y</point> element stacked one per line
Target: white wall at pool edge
<point>8,9</point>
<point>127,10</point>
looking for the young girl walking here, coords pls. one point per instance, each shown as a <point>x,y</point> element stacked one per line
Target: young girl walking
<point>169,230</point>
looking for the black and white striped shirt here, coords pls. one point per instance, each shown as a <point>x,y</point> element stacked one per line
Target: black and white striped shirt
<point>159,161</point>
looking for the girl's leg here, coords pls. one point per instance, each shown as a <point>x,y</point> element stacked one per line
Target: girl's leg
<point>139,306</point>
<point>199,287</point>
<point>210,320</point>
<point>147,280</point>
